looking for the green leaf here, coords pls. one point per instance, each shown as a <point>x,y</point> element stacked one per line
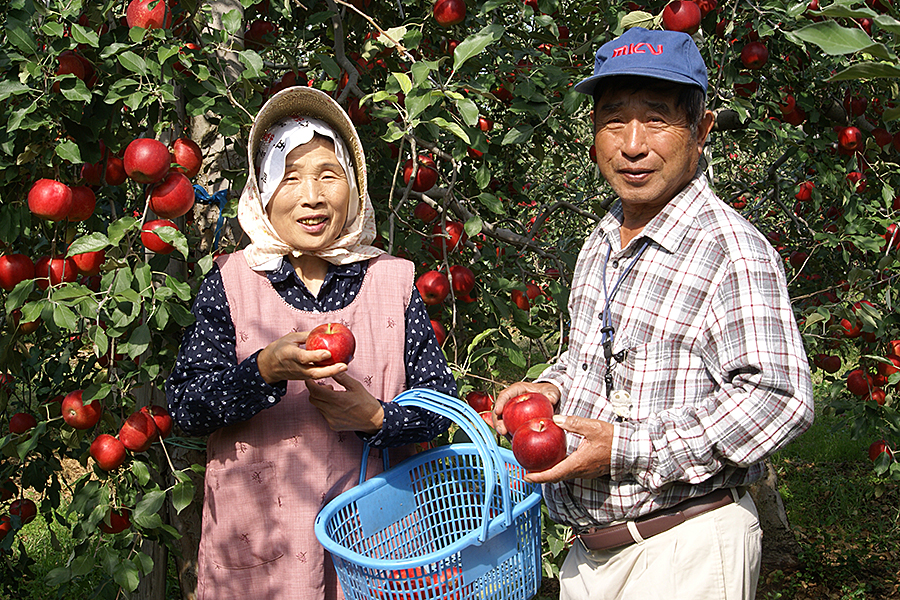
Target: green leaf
<point>140,470</point>
<point>83,35</point>
<point>9,87</point>
<point>143,276</point>
<point>21,36</point>
<point>468,110</point>
<point>82,564</point>
<point>88,243</point>
<point>535,370</point>
<point>68,150</point>
<point>182,495</point>
<point>416,103</point>
<point>473,226</point>
<point>491,202</point>
<point>181,289</point>
<point>139,341</point>
<point>868,70</point>
<point>887,23</point>
<point>19,294</point>
<point>835,40</point>
<point>403,81</point>
<point>18,116</point>
<point>74,89</point>
<point>253,62</point>
<point>150,504</point>
<point>118,229</point>
<point>57,576</point>
<point>133,62</point>
<point>453,128</point>
<point>638,18</point>
<point>476,43</point>
<point>65,318</point>
<point>126,574</point>
<point>519,135</point>
<point>232,21</point>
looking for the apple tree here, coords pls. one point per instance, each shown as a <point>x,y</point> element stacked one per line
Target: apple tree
<point>480,169</point>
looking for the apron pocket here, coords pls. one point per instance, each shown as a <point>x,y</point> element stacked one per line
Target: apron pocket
<point>243,515</point>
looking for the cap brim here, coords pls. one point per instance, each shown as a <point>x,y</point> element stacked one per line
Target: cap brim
<point>587,86</point>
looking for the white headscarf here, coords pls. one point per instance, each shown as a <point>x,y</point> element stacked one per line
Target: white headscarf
<point>267,249</point>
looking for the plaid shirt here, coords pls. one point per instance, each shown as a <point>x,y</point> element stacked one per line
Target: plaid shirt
<point>713,360</point>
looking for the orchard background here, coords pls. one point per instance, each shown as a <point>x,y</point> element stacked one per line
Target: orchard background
<point>489,99</point>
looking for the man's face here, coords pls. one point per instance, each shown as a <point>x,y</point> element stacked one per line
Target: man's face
<point>645,147</point>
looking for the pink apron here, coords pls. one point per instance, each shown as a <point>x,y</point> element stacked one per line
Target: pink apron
<point>267,478</point>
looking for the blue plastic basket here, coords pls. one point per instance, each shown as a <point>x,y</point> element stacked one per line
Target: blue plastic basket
<point>456,522</point>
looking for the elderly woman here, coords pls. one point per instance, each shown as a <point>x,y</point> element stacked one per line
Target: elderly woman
<point>283,442</point>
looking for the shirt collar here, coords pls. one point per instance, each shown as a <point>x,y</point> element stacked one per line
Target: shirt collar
<point>286,270</point>
<point>668,228</point>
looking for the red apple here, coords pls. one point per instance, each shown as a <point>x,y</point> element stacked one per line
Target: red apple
<point>54,271</point>
<point>83,203</point>
<point>152,241</point>
<point>187,155</point>
<point>80,415</point>
<point>173,196</point>
<point>797,258</point>
<point>878,447</point>
<point>21,422</point>
<point>754,55</point>
<point>23,508</point>
<point>108,452</point>
<point>886,369</point>
<point>539,444</point>
<point>119,520</point>
<point>882,136</point>
<point>878,396</point>
<point>260,34</point>
<point>49,199</point>
<point>68,64</point>
<point>334,337</point>
<point>525,407</point>
<point>147,160</point>
<point>115,171</point>
<point>139,14</point>
<point>480,401</point>
<point>453,234</point>
<point>681,15</point>
<point>433,286</point>
<point>804,192</point>
<point>463,280</point>
<point>859,382</point>
<point>138,432</point>
<point>828,362</point>
<point>426,175</point>
<point>5,526</point>
<point>425,212</point>
<point>89,263</point>
<point>849,139</point>
<point>439,332</point>
<point>449,12</point>
<point>161,417</point>
<point>14,269</point>
<point>358,113</point>
<point>485,124</point>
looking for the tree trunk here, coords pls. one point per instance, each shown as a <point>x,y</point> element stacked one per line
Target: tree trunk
<point>780,549</point>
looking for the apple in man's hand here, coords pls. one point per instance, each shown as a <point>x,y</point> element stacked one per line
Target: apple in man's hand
<point>539,444</point>
<point>334,337</point>
<point>525,407</point>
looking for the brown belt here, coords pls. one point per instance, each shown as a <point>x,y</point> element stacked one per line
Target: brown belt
<point>614,536</point>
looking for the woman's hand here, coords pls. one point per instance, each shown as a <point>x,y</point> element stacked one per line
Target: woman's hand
<point>286,359</point>
<point>350,409</point>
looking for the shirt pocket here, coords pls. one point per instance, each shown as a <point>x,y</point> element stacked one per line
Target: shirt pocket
<point>649,373</point>
<point>244,524</point>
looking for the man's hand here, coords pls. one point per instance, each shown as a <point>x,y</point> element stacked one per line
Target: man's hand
<point>350,409</point>
<point>592,457</point>
<point>517,389</point>
<point>286,360</point>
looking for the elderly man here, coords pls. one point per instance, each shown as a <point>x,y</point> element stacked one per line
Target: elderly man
<point>685,368</point>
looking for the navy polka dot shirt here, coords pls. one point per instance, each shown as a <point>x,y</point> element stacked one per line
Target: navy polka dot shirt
<point>208,389</point>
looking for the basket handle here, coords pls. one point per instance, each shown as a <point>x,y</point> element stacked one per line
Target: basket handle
<point>481,435</point>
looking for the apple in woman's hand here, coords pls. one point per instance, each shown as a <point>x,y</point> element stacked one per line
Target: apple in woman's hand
<point>334,337</point>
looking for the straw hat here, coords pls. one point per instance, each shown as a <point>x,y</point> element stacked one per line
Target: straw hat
<point>309,102</point>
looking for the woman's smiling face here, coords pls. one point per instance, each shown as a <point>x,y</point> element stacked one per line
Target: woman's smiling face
<point>309,207</point>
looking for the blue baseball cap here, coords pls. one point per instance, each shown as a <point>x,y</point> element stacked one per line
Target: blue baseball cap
<point>666,55</point>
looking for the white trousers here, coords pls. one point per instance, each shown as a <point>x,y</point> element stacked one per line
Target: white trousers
<point>714,556</point>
